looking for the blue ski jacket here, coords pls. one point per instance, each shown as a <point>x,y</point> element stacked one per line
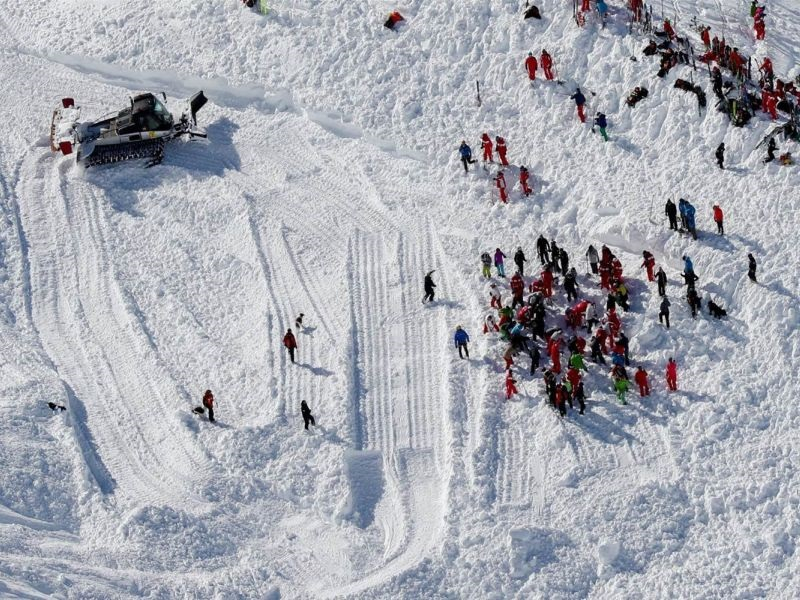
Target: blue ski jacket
<point>465,151</point>
<point>689,215</point>
<point>579,98</point>
<point>688,267</point>
<point>600,120</point>
<point>461,337</point>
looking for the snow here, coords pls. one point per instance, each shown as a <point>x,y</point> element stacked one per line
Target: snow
<point>330,185</point>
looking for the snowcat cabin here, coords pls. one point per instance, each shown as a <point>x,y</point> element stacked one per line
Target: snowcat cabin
<point>147,113</point>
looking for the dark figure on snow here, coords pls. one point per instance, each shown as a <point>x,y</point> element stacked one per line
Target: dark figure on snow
<point>689,279</point>
<point>751,271</point>
<point>661,281</point>
<point>298,322</point>
<point>543,248</point>
<point>307,416</point>
<point>55,407</point>
<point>716,78</point>
<point>555,255</point>
<point>580,395</point>
<point>693,299</point>
<point>466,155</point>
<point>533,352</point>
<point>570,285</point>
<point>663,314</point>
<point>519,260</point>
<point>580,101</point>
<point>461,339</point>
<point>563,258</point>
<point>672,213</point>
<point>429,287</point>
<point>623,341</point>
<point>596,346</point>
<point>208,402</point>
<point>290,342</point>
<point>718,219</point>
<point>715,310</point>
<point>771,148</point>
<point>720,154</point>
<point>593,258</point>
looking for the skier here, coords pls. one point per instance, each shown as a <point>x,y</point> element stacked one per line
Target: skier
<point>486,144</point>
<point>429,287</point>
<point>466,155</point>
<point>561,396</point>
<point>648,263</point>
<point>621,386</point>
<point>672,214</point>
<point>751,271</point>
<point>523,180</point>
<point>500,182</point>
<point>307,416</point>
<point>555,357</point>
<point>661,280</point>
<point>298,322</point>
<point>591,256</point>
<point>602,10</point>
<point>547,65</point>
<point>461,338</point>
<point>511,387</point>
<point>771,148</point>
<point>663,314</point>
<point>531,65</point>
<point>689,279</point>
<point>290,342</point>
<point>641,380</point>
<point>580,100</point>
<point>718,219</point>
<point>720,154</point>
<point>498,262</point>
<point>519,260</point>
<point>486,265</point>
<point>758,23</point>
<point>600,121</point>
<point>500,145</point>
<point>208,402</point>
<point>672,375</point>
<point>689,213</point>
<point>547,282</point>
<point>543,248</point>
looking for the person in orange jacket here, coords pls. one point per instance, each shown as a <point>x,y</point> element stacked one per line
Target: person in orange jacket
<point>531,65</point>
<point>547,65</point>
<point>500,145</point>
<point>523,180</point>
<point>718,219</point>
<point>486,144</point>
<point>672,374</point>
<point>641,380</point>
<point>290,342</point>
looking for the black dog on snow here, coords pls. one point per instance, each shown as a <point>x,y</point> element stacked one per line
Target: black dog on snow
<point>715,310</point>
<point>54,407</point>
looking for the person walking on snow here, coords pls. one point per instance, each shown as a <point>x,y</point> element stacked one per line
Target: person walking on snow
<point>621,386</point>
<point>523,180</point>
<point>429,287</point>
<point>531,65</point>
<point>661,280</point>
<point>208,402</point>
<point>672,375</point>
<point>648,263</point>
<point>580,100</point>
<point>290,342</point>
<point>663,313</point>
<point>547,65</point>
<point>517,290</point>
<point>511,387</point>
<point>486,144</point>
<point>718,219</point>
<point>600,121</point>
<point>500,145</point>
<point>751,271</point>
<point>461,338</point>
<point>486,265</point>
<point>308,418</point>
<point>720,154</point>
<point>640,377</point>
<point>466,155</point>
<point>520,260</point>
<point>668,29</point>
<point>771,148</point>
<point>499,263</point>
<point>593,259</point>
<point>672,214</point>
<point>543,248</point>
<point>500,182</point>
<point>688,265</point>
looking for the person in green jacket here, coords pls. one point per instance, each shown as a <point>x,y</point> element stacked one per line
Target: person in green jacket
<point>576,360</point>
<point>621,386</point>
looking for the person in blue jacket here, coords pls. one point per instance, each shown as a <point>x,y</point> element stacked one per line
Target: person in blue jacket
<point>688,267</point>
<point>466,155</point>
<point>600,121</point>
<point>682,211</point>
<point>461,338</point>
<point>690,222</point>
<point>580,100</point>
<point>602,10</point>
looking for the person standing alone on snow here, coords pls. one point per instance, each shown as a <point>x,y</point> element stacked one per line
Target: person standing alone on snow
<point>466,155</point>
<point>461,338</point>
<point>720,154</point>
<point>290,342</point>
<point>580,100</point>
<point>500,182</point>
<point>751,271</point>
<point>486,265</point>
<point>640,377</point>
<point>672,375</point>
<point>672,214</point>
<point>663,313</point>
<point>661,280</point>
<point>520,260</point>
<point>718,219</point>
<point>531,65</point>
<point>208,402</point>
<point>307,416</point>
<point>600,121</point>
<point>429,287</point>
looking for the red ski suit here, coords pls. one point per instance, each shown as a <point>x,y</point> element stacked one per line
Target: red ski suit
<point>500,182</point>
<point>523,180</point>
<point>641,380</point>
<point>500,144</point>
<point>547,65</point>
<point>531,65</point>
<point>672,375</point>
<point>486,144</point>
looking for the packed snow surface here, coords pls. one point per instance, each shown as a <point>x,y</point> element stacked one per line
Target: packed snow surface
<point>330,185</point>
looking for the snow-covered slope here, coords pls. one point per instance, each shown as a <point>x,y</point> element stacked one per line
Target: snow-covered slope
<point>330,186</point>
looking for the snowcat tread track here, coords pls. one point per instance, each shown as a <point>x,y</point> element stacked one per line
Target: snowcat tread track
<point>104,155</point>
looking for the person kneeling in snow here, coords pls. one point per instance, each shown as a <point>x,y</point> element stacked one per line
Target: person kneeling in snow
<point>394,18</point>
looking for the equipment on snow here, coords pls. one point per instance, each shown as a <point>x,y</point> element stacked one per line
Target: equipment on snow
<point>139,131</point>
<point>54,407</point>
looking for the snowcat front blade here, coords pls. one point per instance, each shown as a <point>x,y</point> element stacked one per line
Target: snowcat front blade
<point>197,102</point>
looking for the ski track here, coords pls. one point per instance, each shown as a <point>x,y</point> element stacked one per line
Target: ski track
<point>98,346</point>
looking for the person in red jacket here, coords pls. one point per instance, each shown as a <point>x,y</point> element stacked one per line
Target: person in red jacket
<point>531,65</point>
<point>290,342</point>
<point>486,144</point>
<point>523,180</point>
<point>772,105</point>
<point>718,219</point>
<point>641,380</point>
<point>547,65</point>
<point>614,324</point>
<point>517,289</point>
<point>208,402</point>
<point>500,182</point>
<point>668,29</point>
<point>547,282</point>
<point>649,263</point>
<point>672,375</point>
<point>500,144</point>
<point>705,36</point>
<point>555,356</point>
<point>511,387</point>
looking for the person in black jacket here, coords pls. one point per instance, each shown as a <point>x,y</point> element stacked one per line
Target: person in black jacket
<point>306,412</point>
<point>720,154</point>
<point>520,260</point>
<point>672,213</point>
<point>751,271</point>
<point>543,248</point>
<point>661,281</point>
<point>663,314</point>
<point>429,287</point>
<point>693,299</point>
